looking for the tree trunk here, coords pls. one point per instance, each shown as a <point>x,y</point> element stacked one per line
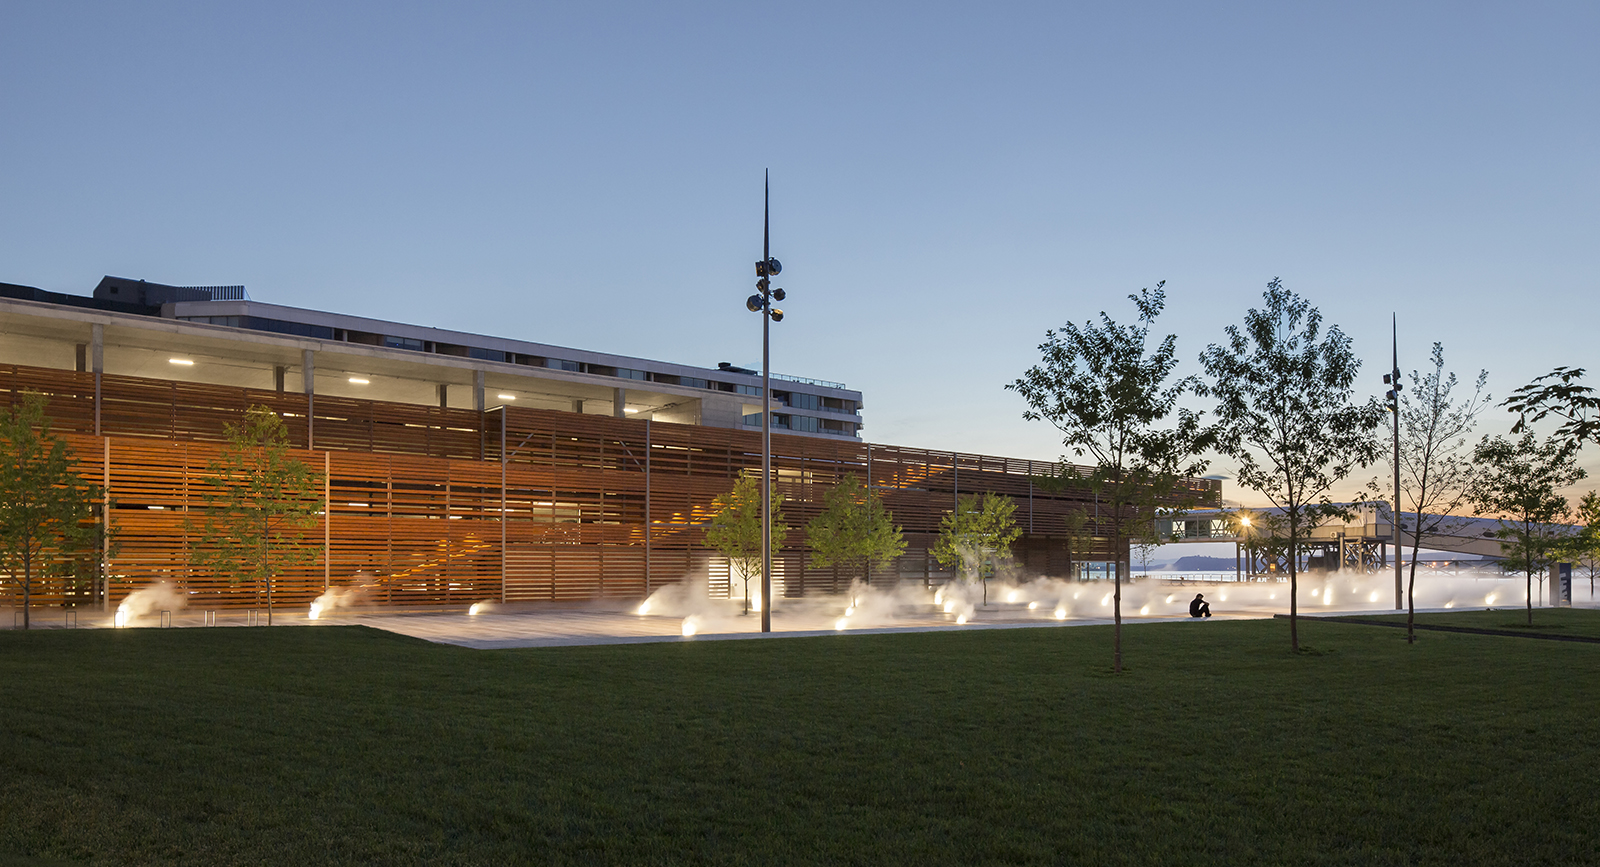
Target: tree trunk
<point>1294,587</point>
<point>27,588</point>
<point>1411,585</point>
<point>1116,613</point>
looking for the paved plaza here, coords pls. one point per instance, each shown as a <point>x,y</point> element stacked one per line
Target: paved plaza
<point>488,626</point>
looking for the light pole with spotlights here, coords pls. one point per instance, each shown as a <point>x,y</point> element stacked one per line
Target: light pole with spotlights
<point>761,302</point>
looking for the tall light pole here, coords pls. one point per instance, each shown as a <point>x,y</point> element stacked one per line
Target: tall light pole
<point>761,303</point>
<point>1392,379</point>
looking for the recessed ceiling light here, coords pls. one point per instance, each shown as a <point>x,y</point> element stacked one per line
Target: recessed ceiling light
<point>356,380</point>
<point>183,361</point>
<point>506,396</point>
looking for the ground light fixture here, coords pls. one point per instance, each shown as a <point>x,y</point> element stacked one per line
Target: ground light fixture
<point>761,302</point>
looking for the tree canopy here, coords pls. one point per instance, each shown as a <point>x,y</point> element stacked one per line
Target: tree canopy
<point>46,509</point>
<point>1287,414</point>
<point>1108,392</point>
<point>735,529</point>
<point>853,529</point>
<point>1520,485</point>
<point>976,537</point>
<point>259,504</point>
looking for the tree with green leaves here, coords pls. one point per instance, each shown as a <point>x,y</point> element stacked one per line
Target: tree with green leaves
<point>260,502</point>
<point>976,538</point>
<point>1520,485</point>
<point>46,509</point>
<point>1108,392</point>
<point>1287,415</point>
<point>1436,466</point>
<point>1583,547</point>
<point>1562,394</point>
<point>853,529</point>
<point>735,529</point>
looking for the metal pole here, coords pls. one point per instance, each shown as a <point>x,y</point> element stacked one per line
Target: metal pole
<point>1399,585</point>
<point>766,420</point>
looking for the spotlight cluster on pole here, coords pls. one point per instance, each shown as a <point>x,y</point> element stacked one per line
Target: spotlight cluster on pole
<point>761,302</point>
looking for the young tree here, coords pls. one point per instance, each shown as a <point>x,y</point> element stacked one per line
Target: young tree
<point>1520,485</point>
<point>853,529</point>
<point>1436,470</point>
<point>1108,394</point>
<point>735,529</point>
<point>260,503</point>
<point>977,536</point>
<point>1583,547</point>
<point>46,509</point>
<point>1286,414</point>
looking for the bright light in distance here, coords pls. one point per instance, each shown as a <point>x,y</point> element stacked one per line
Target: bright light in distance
<point>629,410</point>
<point>186,362</point>
<point>506,396</point>
<point>356,380</point>
<point>1245,521</point>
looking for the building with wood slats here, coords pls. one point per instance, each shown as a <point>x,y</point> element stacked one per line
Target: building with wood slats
<point>458,468</point>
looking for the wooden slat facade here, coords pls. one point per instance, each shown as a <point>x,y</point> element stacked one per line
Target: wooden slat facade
<point>449,506</point>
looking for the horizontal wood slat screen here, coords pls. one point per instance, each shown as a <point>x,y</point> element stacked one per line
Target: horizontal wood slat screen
<point>592,506</point>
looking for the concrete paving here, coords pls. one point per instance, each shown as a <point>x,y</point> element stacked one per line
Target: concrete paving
<point>487,626</point>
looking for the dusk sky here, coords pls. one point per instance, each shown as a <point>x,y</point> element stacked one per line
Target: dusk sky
<point>948,180</point>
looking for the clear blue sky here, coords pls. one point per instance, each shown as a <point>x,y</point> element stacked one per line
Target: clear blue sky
<point>949,180</point>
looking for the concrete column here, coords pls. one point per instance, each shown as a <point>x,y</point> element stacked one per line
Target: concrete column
<point>97,352</point>
<point>444,396</point>
<point>619,402</point>
<point>477,390</point>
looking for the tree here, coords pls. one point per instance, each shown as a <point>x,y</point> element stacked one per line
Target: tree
<point>1436,472</point>
<point>853,529</point>
<point>1108,394</point>
<point>735,529</point>
<point>260,503</point>
<point>1286,414</point>
<point>1520,486</point>
<point>977,536</point>
<point>1559,393</point>
<point>46,509</point>
<point>1583,547</point>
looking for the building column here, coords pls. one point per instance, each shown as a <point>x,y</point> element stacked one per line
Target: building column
<point>308,379</point>
<point>477,390</point>
<point>577,407</point>
<point>279,373</point>
<point>619,402</point>
<point>444,396</point>
<point>97,352</point>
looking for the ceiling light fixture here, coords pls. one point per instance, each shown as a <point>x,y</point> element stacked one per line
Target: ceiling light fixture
<point>183,361</point>
<point>506,396</point>
<point>356,380</point>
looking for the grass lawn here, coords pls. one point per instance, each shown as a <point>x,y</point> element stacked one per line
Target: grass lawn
<point>1582,622</point>
<point>344,745</point>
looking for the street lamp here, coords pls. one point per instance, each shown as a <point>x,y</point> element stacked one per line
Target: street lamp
<point>761,302</point>
<point>1392,403</point>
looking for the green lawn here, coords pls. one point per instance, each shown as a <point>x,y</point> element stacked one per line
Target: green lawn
<point>1546,621</point>
<point>342,745</point>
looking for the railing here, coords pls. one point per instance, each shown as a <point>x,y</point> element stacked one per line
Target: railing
<point>808,381</point>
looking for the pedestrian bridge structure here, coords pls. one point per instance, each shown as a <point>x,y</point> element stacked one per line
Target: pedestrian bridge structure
<point>1359,541</point>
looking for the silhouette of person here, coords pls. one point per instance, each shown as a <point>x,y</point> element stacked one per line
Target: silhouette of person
<point>1199,607</point>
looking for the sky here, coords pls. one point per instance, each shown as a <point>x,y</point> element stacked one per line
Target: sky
<point>948,180</point>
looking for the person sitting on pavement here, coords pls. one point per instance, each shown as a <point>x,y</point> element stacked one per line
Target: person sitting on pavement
<point>1199,607</point>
